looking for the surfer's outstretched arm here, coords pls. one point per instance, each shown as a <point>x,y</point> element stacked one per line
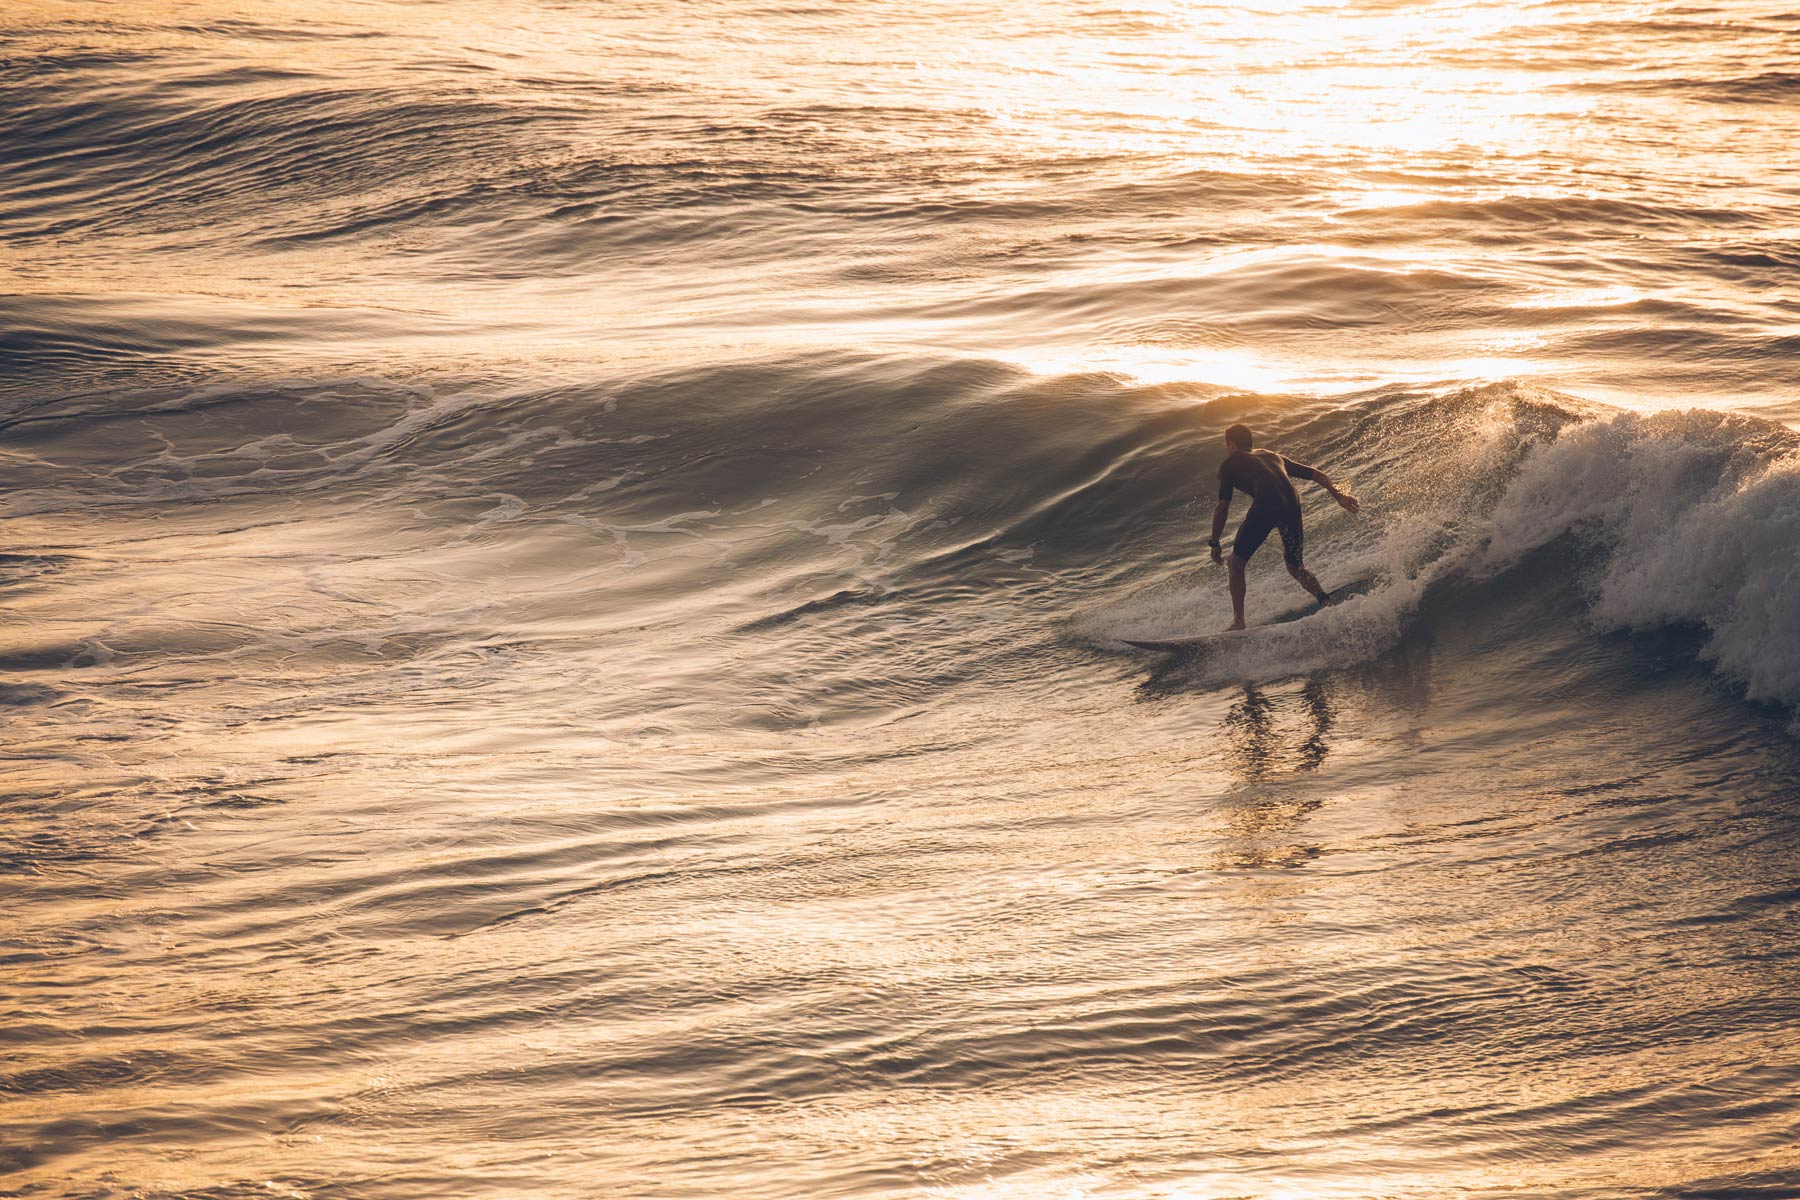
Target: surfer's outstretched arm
<point>1318,476</point>
<point>1221,510</point>
<point>1350,503</point>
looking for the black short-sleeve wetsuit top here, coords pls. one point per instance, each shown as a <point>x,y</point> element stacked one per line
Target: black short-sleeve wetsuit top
<point>1268,479</point>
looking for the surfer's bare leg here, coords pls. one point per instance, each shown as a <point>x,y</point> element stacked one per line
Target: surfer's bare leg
<point>1310,582</point>
<point>1236,569</point>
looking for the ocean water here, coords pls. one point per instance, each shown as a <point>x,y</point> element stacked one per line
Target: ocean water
<point>565,567</point>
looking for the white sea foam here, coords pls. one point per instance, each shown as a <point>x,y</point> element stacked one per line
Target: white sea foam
<point>1696,520</point>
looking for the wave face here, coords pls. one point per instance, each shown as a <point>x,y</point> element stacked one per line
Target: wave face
<point>567,574</point>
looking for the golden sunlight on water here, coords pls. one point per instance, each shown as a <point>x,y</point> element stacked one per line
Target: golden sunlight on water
<point>574,581</point>
<point>1363,177</point>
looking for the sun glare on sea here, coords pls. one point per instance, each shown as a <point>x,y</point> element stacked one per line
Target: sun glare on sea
<point>1394,111</point>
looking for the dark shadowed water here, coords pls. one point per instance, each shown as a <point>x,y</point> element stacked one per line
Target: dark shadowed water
<point>566,566</point>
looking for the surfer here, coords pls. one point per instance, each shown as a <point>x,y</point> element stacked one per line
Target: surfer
<point>1267,478</point>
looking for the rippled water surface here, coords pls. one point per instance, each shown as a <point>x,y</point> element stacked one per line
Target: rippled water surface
<point>566,566</point>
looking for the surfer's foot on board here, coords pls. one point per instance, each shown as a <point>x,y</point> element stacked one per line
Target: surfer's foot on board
<point>1326,600</point>
<point>1234,627</point>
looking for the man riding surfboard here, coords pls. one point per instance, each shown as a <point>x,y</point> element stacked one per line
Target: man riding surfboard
<point>1267,478</point>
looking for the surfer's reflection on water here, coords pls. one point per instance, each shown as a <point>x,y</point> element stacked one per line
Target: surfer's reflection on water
<point>1314,749</point>
<point>1259,748</point>
<point>1261,828</point>
<point>1261,834</point>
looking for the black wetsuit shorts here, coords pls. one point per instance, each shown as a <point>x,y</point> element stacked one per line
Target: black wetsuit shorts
<point>1255,529</point>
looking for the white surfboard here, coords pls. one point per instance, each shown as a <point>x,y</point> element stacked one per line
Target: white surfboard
<point>1202,641</point>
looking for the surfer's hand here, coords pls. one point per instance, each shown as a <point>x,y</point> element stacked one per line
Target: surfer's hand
<point>1217,557</point>
<point>1350,503</point>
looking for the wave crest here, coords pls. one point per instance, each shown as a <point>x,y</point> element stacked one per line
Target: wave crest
<point>1695,519</point>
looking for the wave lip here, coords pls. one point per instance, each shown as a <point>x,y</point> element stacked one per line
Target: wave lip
<point>1694,518</point>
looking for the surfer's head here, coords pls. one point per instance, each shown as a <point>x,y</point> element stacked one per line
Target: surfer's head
<point>1239,437</point>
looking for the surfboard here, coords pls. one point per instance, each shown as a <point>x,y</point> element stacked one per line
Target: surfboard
<point>1201,641</point>
<point>1196,642</point>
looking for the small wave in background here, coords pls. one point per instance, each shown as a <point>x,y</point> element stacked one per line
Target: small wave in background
<point>567,576</point>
